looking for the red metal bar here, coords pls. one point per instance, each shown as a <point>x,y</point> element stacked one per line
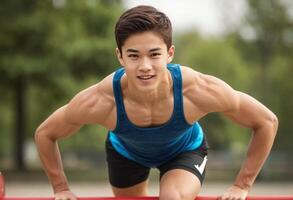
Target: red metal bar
<point>150,198</point>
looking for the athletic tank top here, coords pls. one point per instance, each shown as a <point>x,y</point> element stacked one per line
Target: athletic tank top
<point>152,146</point>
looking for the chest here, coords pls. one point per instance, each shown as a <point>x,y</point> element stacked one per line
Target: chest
<point>160,112</point>
<point>154,114</point>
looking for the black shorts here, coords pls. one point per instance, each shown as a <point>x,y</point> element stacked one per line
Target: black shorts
<point>124,172</point>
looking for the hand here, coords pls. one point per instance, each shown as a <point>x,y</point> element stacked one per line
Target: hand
<point>234,193</point>
<point>65,195</point>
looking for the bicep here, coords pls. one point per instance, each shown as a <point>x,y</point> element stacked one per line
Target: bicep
<point>249,112</point>
<point>57,125</point>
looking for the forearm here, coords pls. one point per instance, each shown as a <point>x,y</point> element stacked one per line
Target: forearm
<point>52,163</point>
<point>258,151</point>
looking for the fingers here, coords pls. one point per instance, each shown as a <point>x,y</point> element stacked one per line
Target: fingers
<point>66,198</point>
<point>234,193</point>
<point>65,195</point>
<point>230,198</point>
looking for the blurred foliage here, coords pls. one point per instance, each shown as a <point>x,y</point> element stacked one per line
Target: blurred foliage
<point>269,51</point>
<point>60,47</point>
<point>56,48</point>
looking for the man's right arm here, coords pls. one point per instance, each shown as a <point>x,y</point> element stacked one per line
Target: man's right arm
<point>90,106</point>
<point>55,127</point>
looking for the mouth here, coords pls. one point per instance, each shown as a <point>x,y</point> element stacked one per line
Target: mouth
<point>145,77</point>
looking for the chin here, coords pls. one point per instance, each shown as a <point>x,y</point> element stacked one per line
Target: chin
<point>147,88</point>
<point>146,85</point>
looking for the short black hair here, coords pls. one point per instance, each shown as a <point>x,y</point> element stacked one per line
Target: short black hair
<point>140,19</point>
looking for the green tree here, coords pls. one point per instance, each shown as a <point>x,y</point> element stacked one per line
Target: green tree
<point>44,42</point>
<point>269,52</point>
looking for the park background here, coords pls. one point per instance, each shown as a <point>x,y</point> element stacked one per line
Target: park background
<point>52,49</point>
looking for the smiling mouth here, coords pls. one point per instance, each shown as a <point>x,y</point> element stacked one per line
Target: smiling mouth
<point>145,77</point>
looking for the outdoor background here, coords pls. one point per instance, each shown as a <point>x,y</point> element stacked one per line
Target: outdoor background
<point>52,49</point>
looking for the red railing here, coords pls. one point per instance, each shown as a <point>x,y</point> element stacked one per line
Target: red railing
<point>151,198</point>
<point>3,197</point>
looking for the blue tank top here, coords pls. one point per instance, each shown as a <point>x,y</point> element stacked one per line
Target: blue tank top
<point>152,146</point>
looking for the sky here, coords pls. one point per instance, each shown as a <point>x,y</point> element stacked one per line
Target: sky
<point>209,17</point>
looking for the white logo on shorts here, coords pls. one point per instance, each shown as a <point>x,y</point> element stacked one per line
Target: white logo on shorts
<point>201,167</point>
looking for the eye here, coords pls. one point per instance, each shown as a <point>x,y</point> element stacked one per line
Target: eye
<point>155,55</point>
<point>133,56</point>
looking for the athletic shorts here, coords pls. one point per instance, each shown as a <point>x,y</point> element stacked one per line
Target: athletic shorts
<point>124,172</point>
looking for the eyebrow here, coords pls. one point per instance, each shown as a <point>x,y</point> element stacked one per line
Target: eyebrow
<point>132,50</point>
<point>136,51</point>
<point>155,49</point>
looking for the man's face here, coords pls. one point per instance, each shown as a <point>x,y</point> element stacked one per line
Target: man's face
<point>145,57</point>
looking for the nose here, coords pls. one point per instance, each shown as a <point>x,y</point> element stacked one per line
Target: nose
<point>145,65</point>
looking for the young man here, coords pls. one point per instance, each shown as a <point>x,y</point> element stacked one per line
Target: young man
<point>151,108</point>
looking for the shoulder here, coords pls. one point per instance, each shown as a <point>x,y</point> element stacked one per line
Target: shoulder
<point>93,103</point>
<point>92,94</point>
<point>208,92</point>
<point>190,75</point>
<point>193,80</point>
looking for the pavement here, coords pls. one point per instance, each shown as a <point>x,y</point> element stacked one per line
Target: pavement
<point>101,189</point>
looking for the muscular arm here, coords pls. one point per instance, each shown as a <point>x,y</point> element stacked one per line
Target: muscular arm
<point>46,137</point>
<point>90,106</point>
<point>213,95</point>
<point>264,124</point>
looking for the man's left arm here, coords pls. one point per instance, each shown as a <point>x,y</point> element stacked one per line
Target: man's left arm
<point>252,114</point>
<point>218,96</point>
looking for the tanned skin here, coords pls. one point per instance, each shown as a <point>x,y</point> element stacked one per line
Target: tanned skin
<point>147,89</point>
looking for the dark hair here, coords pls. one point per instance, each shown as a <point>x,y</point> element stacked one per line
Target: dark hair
<point>140,19</point>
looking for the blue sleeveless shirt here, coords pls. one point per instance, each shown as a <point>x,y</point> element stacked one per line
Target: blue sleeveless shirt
<point>152,146</point>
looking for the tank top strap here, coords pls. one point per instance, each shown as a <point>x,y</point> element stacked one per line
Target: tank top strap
<point>177,89</point>
<point>118,93</point>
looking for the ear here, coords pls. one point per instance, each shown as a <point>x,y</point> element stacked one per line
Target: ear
<point>119,56</point>
<point>171,52</point>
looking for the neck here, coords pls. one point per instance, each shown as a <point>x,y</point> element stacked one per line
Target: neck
<point>162,91</point>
